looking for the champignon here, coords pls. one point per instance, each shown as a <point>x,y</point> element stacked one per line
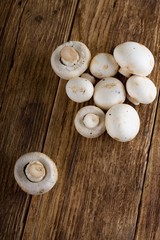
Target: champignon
<point>70,59</point>
<point>90,122</point>
<point>108,92</point>
<point>134,58</point>
<point>103,65</point>
<point>89,77</point>
<point>140,90</point>
<point>79,89</point>
<point>35,173</point>
<point>122,122</point>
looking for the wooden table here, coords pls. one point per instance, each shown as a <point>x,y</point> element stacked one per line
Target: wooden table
<point>106,190</point>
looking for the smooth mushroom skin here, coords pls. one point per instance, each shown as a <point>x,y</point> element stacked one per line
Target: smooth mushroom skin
<point>103,65</point>
<point>89,77</point>
<point>141,90</point>
<point>70,59</point>
<point>134,58</point>
<point>79,89</point>
<point>108,92</point>
<point>43,185</point>
<point>132,100</point>
<point>122,122</point>
<point>94,125</point>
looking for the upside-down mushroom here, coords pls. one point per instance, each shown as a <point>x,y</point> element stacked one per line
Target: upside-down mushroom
<point>90,122</point>
<point>70,59</point>
<point>35,173</point>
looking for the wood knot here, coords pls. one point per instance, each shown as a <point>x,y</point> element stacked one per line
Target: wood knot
<point>39,18</point>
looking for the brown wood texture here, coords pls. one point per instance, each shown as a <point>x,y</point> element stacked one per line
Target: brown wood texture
<point>106,190</point>
<point>149,214</point>
<point>30,31</point>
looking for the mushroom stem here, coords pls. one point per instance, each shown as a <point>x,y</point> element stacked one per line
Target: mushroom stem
<point>132,100</point>
<point>69,56</point>
<point>35,171</point>
<point>91,120</point>
<point>124,72</point>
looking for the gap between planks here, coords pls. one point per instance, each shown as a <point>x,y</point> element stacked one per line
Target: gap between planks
<point>54,100</point>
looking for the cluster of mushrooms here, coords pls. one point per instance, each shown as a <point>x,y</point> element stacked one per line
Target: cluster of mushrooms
<point>133,60</point>
<point>35,172</point>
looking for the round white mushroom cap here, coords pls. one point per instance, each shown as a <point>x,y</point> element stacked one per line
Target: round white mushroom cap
<point>141,90</point>
<point>70,59</point>
<point>122,122</point>
<point>108,92</point>
<point>90,122</point>
<point>103,65</point>
<point>35,173</point>
<point>89,77</point>
<point>134,58</point>
<point>79,89</point>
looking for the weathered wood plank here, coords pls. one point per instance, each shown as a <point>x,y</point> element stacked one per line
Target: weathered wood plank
<point>100,180</point>
<point>148,226</point>
<point>10,19</point>
<point>29,88</point>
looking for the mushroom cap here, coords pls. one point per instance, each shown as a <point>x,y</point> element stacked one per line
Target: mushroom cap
<point>68,72</point>
<point>108,92</point>
<point>35,188</point>
<point>79,89</point>
<point>141,89</point>
<point>134,58</point>
<point>89,77</point>
<point>81,127</point>
<point>122,122</point>
<point>103,65</point>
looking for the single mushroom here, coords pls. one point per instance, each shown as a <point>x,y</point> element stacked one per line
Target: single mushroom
<point>134,58</point>
<point>140,90</point>
<point>103,65</point>
<point>89,77</point>
<point>70,59</point>
<point>122,122</point>
<point>108,92</point>
<point>90,122</point>
<point>35,173</point>
<point>79,89</point>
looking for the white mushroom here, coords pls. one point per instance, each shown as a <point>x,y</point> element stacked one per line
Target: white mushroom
<point>35,173</point>
<point>134,58</point>
<point>89,77</point>
<point>103,65</point>
<point>90,122</point>
<point>122,122</point>
<point>140,90</point>
<point>70,59</point>
<point>79,89</point>
<point>108,92</point>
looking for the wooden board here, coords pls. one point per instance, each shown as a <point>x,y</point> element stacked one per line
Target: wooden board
<point>32,30</point>
<point>149,214</point>
<point>99,191</point>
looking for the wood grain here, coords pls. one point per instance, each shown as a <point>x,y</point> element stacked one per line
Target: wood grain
<point>149,216</point>
<point>31,30</point>
<point>100,180</point>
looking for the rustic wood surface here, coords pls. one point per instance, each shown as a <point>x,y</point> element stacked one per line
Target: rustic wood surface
<point>106,190</point>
